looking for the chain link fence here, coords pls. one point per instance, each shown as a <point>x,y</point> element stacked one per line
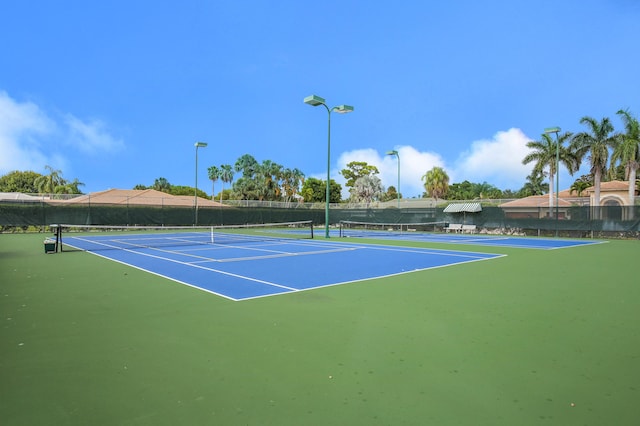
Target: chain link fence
<point>574,221</point>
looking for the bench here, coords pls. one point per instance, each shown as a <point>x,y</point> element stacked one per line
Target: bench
<point>454,227</point>
<point>468,228</point>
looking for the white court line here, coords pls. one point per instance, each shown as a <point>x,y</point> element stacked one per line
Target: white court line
<point>190,265</point>
<point>285,254</point>
<point>471,256</point>
<point>439,252</point>
<point>208,247</point>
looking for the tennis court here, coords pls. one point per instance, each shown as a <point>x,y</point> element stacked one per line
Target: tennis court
<point>408,232</point>
<point>265,262</point>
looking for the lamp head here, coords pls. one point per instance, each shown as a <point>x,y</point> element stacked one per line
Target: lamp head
<point>200,144</point>
<point>343,109</point>
<point>314,100</point>
<point>394,152</point>
<point>552,130</point>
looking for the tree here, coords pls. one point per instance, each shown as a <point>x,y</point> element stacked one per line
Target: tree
<point>226,194</point>
<point>291,179</point>
<point>314,191</point>
<point>244,189</point>
<point>534,185</point>
<point>357,169</point>
<point>214,174</point>
<point>616,172</point>
<point>46,184</point>
<point>486,190</point>
<point>271,175</point>
<point>18,181</point>
<point>367,189</point>
<point>545,152</point>
<point>461,191</point>
<point>436,182</point>
<point>161,184</point>
<point>482,190</point>
<point>578,187</point>
<point>247,165</point>
<point>69,187</point>
<point>226,176</point>
<point>509,193</point>
<point>627,150</point>
<point>595,143</point>
<point>186,190</point>
<point>390,194</point>
<point>260,181</point>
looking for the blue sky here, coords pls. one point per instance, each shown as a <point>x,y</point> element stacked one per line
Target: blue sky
<point>116,93</point>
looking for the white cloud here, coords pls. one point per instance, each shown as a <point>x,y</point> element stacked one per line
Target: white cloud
<point>498,161</point>
<point>22,125</point>
<point>413,165</point>
<point>90,137</point>
<point>31,139</point>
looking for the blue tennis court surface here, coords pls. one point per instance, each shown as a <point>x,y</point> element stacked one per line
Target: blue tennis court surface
<point>475,239</point>
<point>252,269</point>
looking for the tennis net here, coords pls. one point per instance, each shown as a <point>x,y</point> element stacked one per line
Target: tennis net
<point>350,228</point>
<point>105,237</point>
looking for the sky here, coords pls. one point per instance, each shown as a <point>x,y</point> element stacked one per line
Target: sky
<point>116,93</point>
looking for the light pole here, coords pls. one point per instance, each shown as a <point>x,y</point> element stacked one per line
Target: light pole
<point>314,100</point>
<point>556,130</point>
<point>394,152</point>
<point>197,145</point>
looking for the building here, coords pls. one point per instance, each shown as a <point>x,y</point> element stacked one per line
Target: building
<point>538,207</point>
<point>614,195</point>
<point>140,197</point>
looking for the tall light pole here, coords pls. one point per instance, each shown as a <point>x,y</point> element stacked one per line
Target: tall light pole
<point>314,100</point>
<point>197,145</point>
<point>556,130</point>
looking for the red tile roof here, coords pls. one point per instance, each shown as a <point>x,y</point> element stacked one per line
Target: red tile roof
<point>149,197</point>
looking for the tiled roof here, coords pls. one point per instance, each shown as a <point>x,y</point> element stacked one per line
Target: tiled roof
<point>149,197</point>
<point>536,201</point>
<point>614,185</point>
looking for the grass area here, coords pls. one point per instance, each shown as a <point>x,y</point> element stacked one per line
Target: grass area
<point>511,341</point>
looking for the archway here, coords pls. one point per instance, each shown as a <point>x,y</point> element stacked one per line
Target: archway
<point>612,209</point>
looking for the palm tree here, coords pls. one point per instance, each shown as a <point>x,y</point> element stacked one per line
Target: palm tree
<point>287,183</point>
<point>627,150</point>
<point>297,179</point>
<point>245,189</point>
<point>436,182</point>
<point>534,185</point>
<point>261,187</point>
<point>486,190</point>
<point>595,143</point>
<point>271,172</point>
<point>246,164</point>
<point>47,184</point>
<point>214,174</point>
<point>69,187</point>
<point>579,186</point>
<point>226,176</point>
<point>545,152</point>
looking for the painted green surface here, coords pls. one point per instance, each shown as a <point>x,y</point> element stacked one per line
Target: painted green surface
<point>511,341</point>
